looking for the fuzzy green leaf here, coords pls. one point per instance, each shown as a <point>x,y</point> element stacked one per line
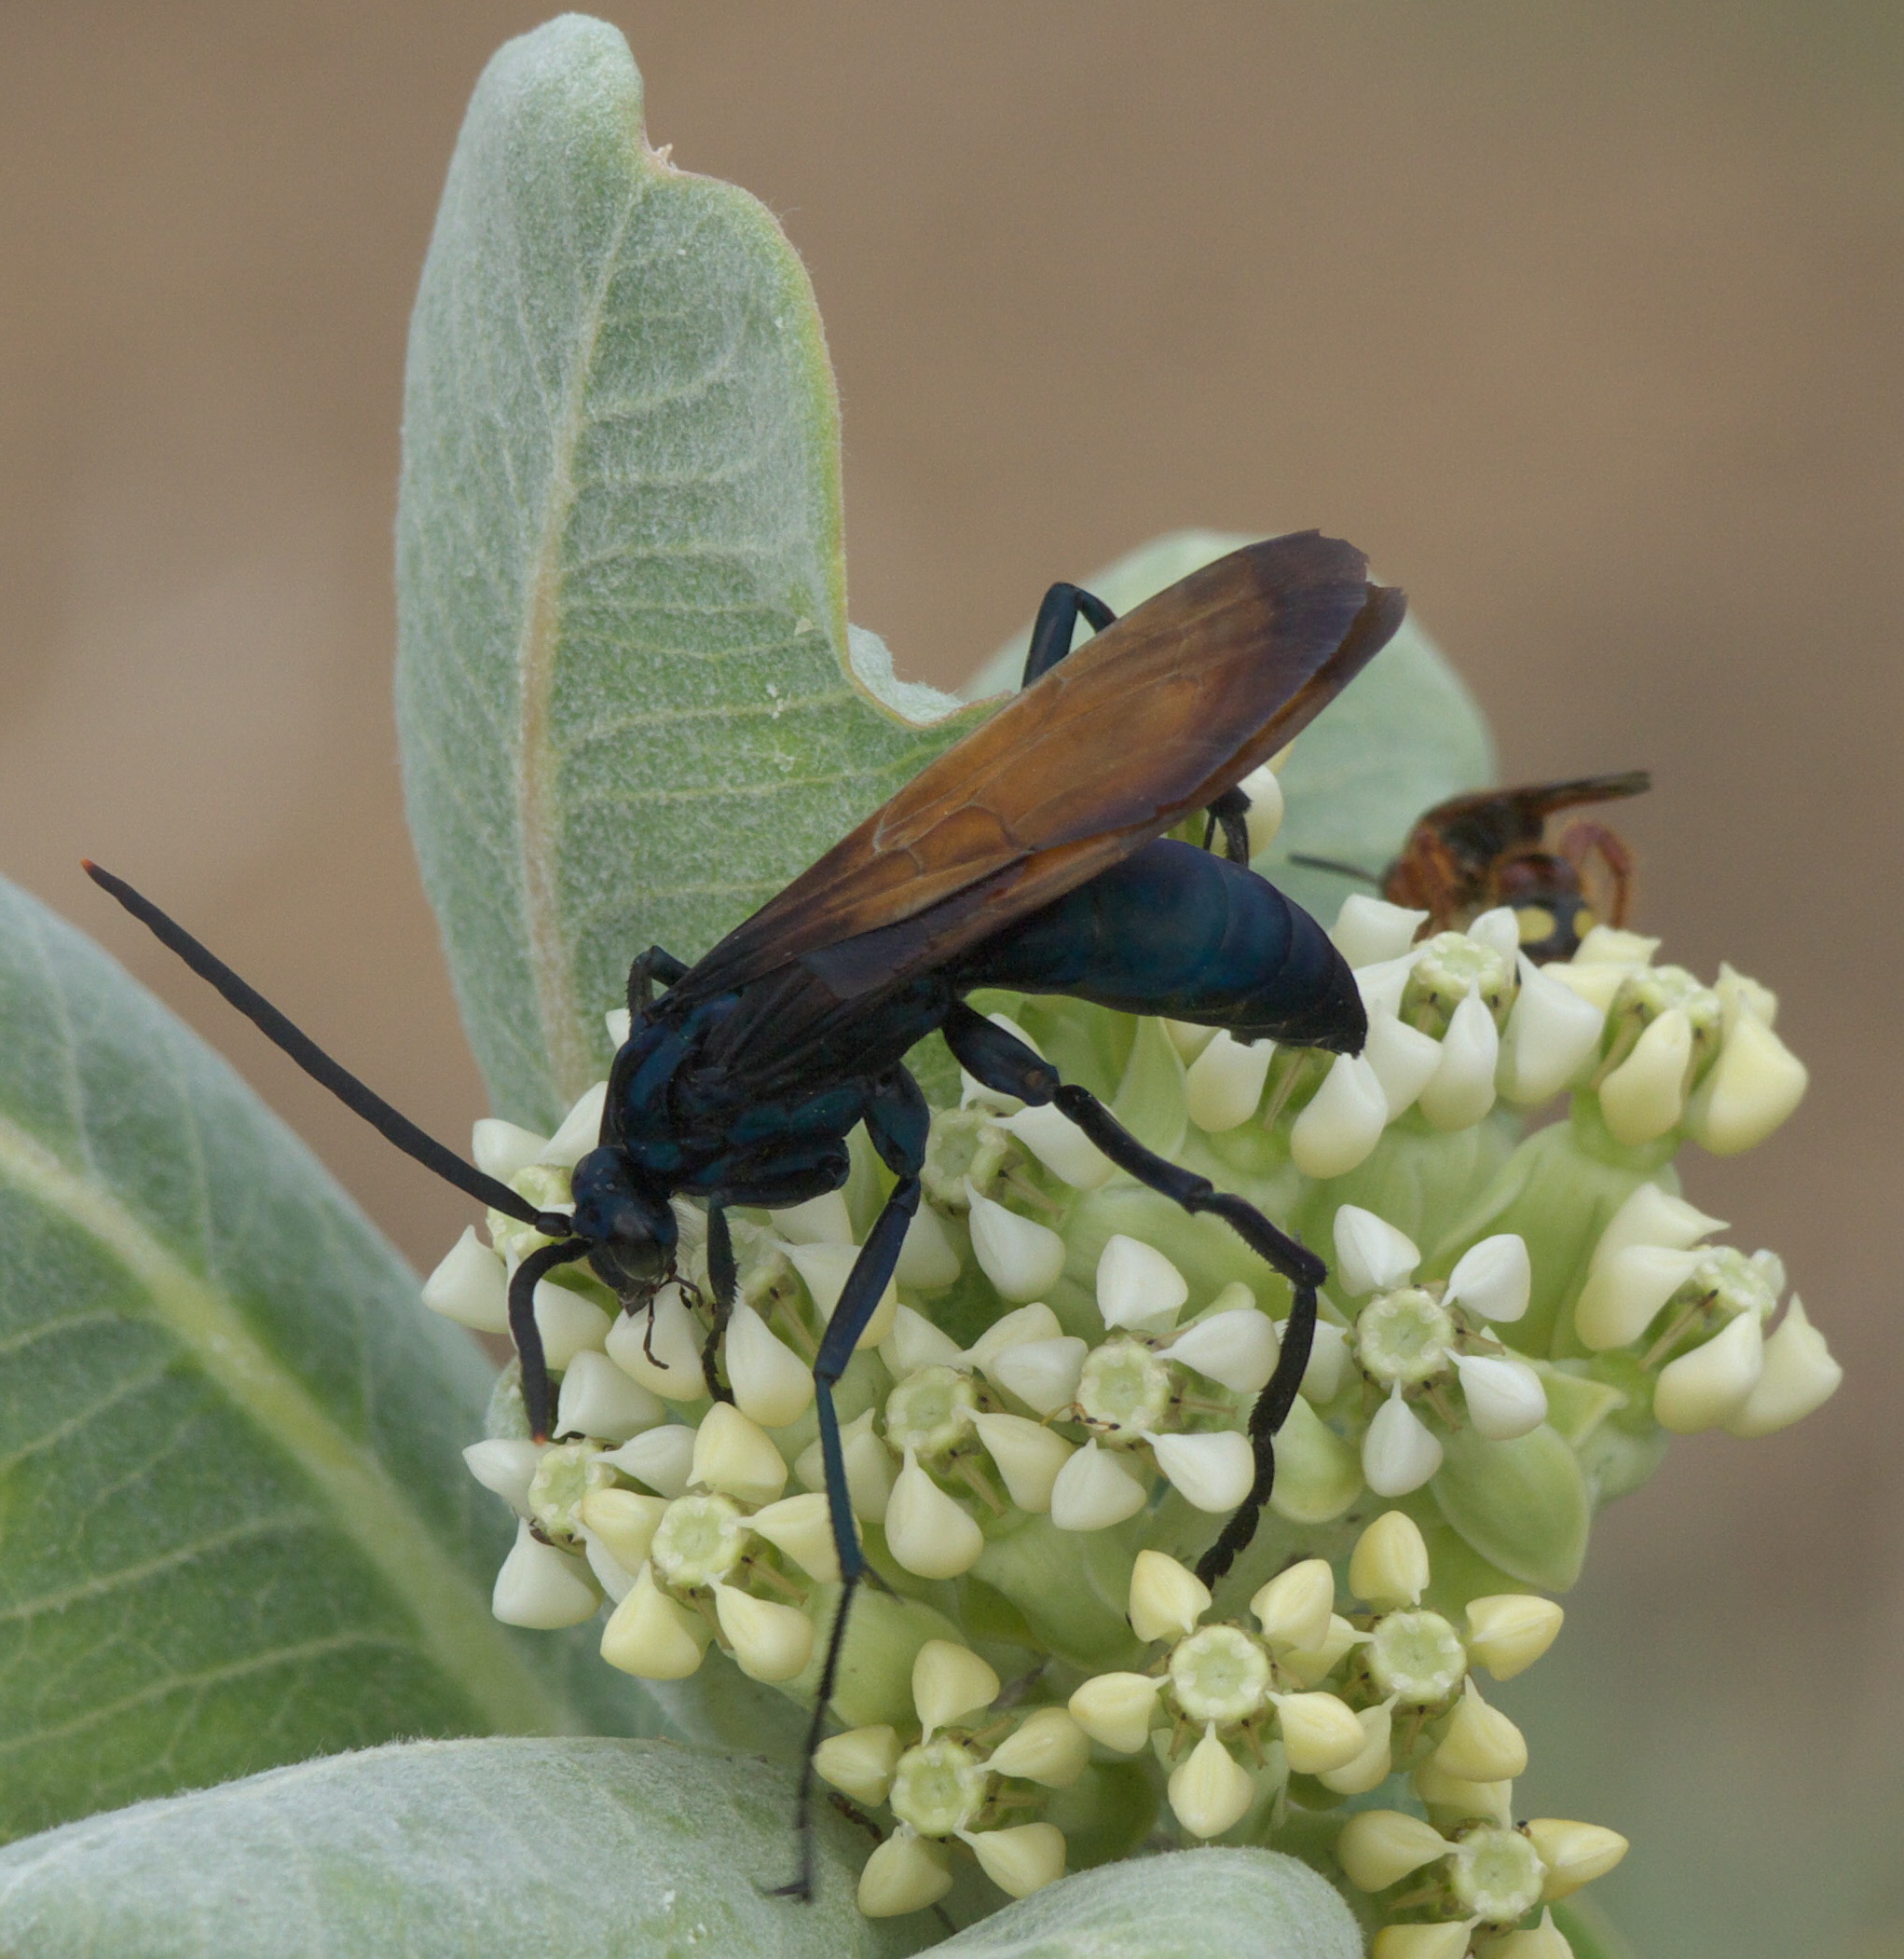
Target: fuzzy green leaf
<point>234,1526</point>
<point>1405,735</point>
<point>626,702</point>
<point>450,1850</point>
<point>1246,1904</point>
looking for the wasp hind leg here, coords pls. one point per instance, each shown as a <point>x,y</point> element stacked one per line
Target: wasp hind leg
<point>649,967</point>
<point>1004,1063</point>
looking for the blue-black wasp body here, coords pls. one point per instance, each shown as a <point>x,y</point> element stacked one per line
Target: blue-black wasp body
<point>1030,855</point>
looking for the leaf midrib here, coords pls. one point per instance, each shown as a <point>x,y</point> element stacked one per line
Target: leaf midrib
<point>455,1628</point>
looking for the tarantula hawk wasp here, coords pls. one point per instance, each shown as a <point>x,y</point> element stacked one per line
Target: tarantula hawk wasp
<point>1030,855</point>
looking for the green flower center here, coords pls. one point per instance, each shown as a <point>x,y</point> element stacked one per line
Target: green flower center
<point>931,1411</point>
<point>1449,968</point>
<point>961,1144</point>
<point>1739,1284</point>
<point>1404,1336</point>
<point>939,1788</point>
<point>699,1541</point>
<point>566,1473</point>
<point>1124,1386</point>
<point>1220,1673</point>
<point>1496,1874</point>
<point>1417,1655</point>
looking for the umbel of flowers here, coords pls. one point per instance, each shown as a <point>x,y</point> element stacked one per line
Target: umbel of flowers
<point>1044,1425</point>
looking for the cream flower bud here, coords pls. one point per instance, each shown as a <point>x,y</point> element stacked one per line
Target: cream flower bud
<point>799,1526</point>
<point>1799,1376</point>
<point>581,1129</point>
<point>1508,1631</point>
<point>1207,1791</point>
<point>598,1398</point>
<point>1399,1452</point>
<point>915,1342</point>
<point>824,1270</point>
<point>1212,1472</point>
<point>1343,1121</point>
<point>653,1637</point>
<point>1321,1380</point>
<point>623,1522</point>
<point>772,1385</point>
<point>541,1588</point>
<point>507,1466</point>
<point>860,1762</point>
<point>1402,1057</point>
<point>1059,1145</point>
<point>504,1149</point>
<point>1017,1328</point>
<point>1237,1350</point>
<point>1369,930</point>
<point>1379,1847</point>
<point>1493,1278</point>
<point>1481,1744</point>
<point>471,1286</point>
<point>1441,1791</point>
<point>1136,1284</point>
<point>1022,1257</point>
<point>1575,1853</point>
<point>1389,1565</point>
<point>1622,1294</point>
<point>1020,1860</point>
<point>1711,1385</point>
<point>820,1220</point>
<point>1545,1942</point>
<point>1645,1096</point>
<point>659,1347</point>
<point>771,1642</point>
<point>1608,945</point>
<point>869,1469</point>
<point>568,1323</point>
<point>1295,1607</point>
<point>663,1459</point>
<point>928,1259</point>
<point>949,1680</point>
<point>1264,818</point>
<point>1373,1766</point>
<point>906,1873</point>
<point>1094,1490</point>
<point>1498,930</point>
<point>1552,1032</point>
<point>1505,1397</point>
<point>1047,1748</point>
<point>926,1531</point>
<point>1311,1668</point>
<point>1461,1088</point>
<point>1755,1084</point>
<point>1167,1599</point>
<point>1029,1456</point>
<point>736,1457</point>
<point>1446,1940</point>
<point>1043,1374</point>
<point>1371,1255</point>
<point>1116,1708</point>
<point>1384,985</point>
<point>1652,1216</point>
<point>1188,1038</point>
<point>1320,1733</point>
<point>1222,1085</point>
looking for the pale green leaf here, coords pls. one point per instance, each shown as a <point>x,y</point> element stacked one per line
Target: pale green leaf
<point>1523,1505</point>
<point>1403,736</point>
<point>627,709</point>
<point>451,1850</point>
<point>234,1526</point>
<point>1244,1904</point>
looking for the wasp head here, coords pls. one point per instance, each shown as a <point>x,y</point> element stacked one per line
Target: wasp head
<point>629,1224</point>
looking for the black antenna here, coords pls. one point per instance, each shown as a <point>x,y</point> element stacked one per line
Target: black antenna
<point>362,1101</point>
<point>1335,864</point>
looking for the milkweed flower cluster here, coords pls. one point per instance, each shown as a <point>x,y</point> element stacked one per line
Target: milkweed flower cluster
<point>1046,1419</point>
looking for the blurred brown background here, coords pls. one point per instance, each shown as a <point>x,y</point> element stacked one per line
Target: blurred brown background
<point>1586,320</point>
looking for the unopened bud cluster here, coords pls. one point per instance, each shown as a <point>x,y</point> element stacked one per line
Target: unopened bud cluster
<point>1045,1423</point>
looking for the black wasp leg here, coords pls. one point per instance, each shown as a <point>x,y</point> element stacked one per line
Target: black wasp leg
<point>1227,814</point>
<point>652,965</point>
<point>528,1335</point>
<point>1058,615</point>
<point>723,1276</point>
<point>1002,1062</point>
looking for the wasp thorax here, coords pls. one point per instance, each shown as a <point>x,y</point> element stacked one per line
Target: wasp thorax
<point>1403,1336</point>
<point>1417,1656</point>
<point>1220,1673</point>
<point>565,1473</point>
<point>1123,1386</point>
<point>939,1788</point>
<point>930,1411</point>
<point>699,1541</point>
